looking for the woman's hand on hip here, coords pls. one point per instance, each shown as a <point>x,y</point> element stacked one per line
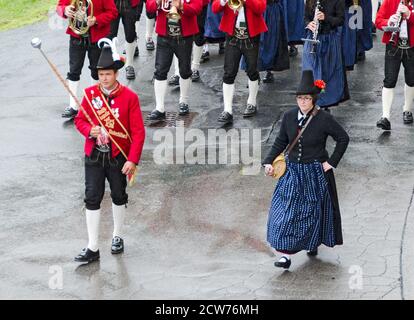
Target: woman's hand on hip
<point>326,166</point>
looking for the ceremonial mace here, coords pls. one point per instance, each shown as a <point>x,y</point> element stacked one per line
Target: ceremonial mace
<point>37,44</point>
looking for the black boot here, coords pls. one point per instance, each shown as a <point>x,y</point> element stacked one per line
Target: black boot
<point>87,256</point>
<point>117,245</point>
<point>384,124</point>
<point>407,117</point>
<point>69,112</point>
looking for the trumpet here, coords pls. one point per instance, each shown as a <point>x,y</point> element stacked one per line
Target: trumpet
<point>172,11</point>
<point>314,41</point>
<point>79,22</point>
<point>235,4</point>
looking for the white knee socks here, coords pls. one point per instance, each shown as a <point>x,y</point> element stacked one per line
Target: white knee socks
<point>387,98</point>
<point>185,85</point>
<point>408,97</point>
<point>118,213</point>
<point>160,88</point>
<point>253,90</point>
<point>149,28</point>
<point>130,50</point>
<point>197,52</point>
<point>228,93</point>
<point>92,223</point>
<point>374,9</point>
<point>73,86</point>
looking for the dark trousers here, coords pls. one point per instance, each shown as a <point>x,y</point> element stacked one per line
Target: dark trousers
<point>235,49</point>
<point>128,15</point>
<point>99,166</point>
<point>167,47</point>
<point>199,39</point>
<point>77,53</point>
<point>394,57</point>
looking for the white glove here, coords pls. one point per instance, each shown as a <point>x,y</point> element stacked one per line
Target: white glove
<point>392,21</point>
<point>223,2</point>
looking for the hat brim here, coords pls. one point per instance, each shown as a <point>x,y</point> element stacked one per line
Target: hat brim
<point>115,66</point>
<point>314,90</point>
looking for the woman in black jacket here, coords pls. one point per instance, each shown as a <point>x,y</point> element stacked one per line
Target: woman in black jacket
<point>304,211</point>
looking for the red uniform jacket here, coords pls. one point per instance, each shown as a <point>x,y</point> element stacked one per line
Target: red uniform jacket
<point>104,10</point>
<point>124,103</point>
<point>189,26</point>
<point>388,8</point>
<point>254,10</point>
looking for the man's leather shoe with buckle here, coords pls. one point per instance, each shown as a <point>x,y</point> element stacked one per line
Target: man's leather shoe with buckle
<point>150,45</point>
<point>250,111</point>
<point>312,253</point>
<point>69,112</point>
<point>156,116</point>
<point>130,73</point>
<point>225,117</point>
<point>384,124</point>
<point>87,256</point>
<point>117,245</point>
<point>407,117</point>
<point>183,109</point>
<point>174,80</point>
<point>195,77</point>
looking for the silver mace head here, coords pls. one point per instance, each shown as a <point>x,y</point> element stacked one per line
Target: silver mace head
<point>36,43</point>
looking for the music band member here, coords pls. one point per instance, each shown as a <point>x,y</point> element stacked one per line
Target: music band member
<point>113,147</point>
<point>79,45</point>
<point>325,57</point>
<point>243,27</point>
<point>175,37</point>
<point>127,10</point>
<point>399,50</point>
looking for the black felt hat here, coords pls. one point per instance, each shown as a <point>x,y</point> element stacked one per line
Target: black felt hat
<point>308,85</point>
<point>109,58</point>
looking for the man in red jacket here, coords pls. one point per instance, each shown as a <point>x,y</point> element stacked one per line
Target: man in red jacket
<point>127,10</point>
<point>399,49</point>
<point>175,37</point>
<point>243,28</point>
<point>104,11</point>
<point>113,147</point>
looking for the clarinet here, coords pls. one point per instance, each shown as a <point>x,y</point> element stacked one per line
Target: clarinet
<point>395,29</point>
<point>314,41</point>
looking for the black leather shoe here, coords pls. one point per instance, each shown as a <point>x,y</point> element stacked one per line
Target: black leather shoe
<point>205,56</point>
<point>407,117</point>
<point>225,117</point>
<point>130,73</point>
<point>250,111</point>
<point>69,112</point>
<point>174,81</point>
<point>312,253</point>
<point>384,124</point>
<point>155,115</point>
<point>268,78</point>
<point>117,245</point>
<point>150,45</point>
<point>87,256</point>
<point>221,48</point>
<point>293,52</point>
<point>195,77</point>
<point>183,109</point>
<point>283,263</point>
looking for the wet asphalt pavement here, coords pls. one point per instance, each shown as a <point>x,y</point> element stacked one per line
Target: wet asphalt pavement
<point>193,231</point>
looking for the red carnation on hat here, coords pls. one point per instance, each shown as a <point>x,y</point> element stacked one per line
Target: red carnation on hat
<point>320,84</point>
